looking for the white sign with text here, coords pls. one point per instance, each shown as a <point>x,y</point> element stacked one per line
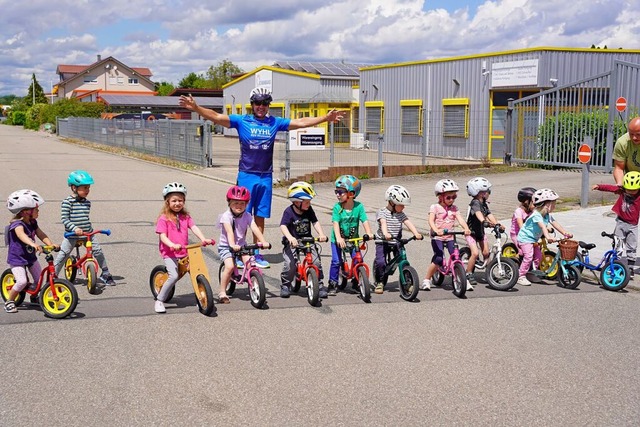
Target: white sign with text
<point>515,73</point>
<point>307,139</point>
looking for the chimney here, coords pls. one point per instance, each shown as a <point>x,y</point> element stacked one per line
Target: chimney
<point>99,58</point>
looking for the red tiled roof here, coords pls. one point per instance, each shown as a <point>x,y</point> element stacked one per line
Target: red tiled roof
<point>75,69</point>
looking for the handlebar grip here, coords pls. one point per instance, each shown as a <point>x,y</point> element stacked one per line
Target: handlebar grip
<point>268,246</point>
<point>366,237</point>
<point>106,232</point>
<point>604,234</point>
<point>68,234</point>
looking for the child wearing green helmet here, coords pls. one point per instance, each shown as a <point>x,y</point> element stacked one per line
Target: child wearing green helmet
<point>627,209</point>
<point>346,218</point>
<point>74,214</point>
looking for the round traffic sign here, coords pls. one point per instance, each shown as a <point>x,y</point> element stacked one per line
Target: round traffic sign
<point>584,153</point>
<point>621,104</point>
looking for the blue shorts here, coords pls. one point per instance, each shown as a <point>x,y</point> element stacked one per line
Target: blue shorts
<point>260,185</point>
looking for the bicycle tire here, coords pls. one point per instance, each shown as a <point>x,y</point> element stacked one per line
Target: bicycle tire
<point>344,276</point>
<point>408,283</point>
<point>546,262</point>
<point>503,276</point>
<point>459,280</point>
<point>204,296</point>
<point>231,286</point>
<point>66,303</point>
<point>92,278</point>
<point>8,281</point>
<point>570,278</point>
<point>510,250</point>
<point>614,276</point>
<point>313,287</point>
<point>363,284</point>
<point>579,262</point>
<point>438,278</point>
<point>70,270</point>
<point>295,286</point>
<point>257,290</point>
<point>157,279</point>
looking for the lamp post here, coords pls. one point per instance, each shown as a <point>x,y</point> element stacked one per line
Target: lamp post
<point>33,89</point>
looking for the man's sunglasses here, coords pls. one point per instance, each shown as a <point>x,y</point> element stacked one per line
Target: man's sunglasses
<point>263,103</point>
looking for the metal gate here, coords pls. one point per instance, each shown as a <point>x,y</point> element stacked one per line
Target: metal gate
<point>548,128</point>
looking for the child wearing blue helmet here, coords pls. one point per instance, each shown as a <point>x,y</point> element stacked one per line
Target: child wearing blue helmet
<point>74,214</point>
<point>346,218</point>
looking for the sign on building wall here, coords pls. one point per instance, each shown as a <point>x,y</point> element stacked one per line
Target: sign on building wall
<point>264,78</point>
<point>515,73</point>
<point>307,139</point>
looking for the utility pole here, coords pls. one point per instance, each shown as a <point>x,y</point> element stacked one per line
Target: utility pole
<point>33,89</point>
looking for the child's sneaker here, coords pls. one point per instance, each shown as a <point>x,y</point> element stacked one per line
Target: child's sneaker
<point>239,264</point>
<point>471,278</point>
<point>10,307</point>
<point>379,288</point>
<point>523,281</point>
<point>107,279</point>
<point>160,307</point>
<point>261,262</point>
<point>333,289</point>
<point>426,285</point>
<point>323,292</point>
<point>284,292</point>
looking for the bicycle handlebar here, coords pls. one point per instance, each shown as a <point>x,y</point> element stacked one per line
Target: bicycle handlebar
<point>394,241</point>
<point>446,232</point>
<point>84,235</point>
<point>311,240</point>
<point>254,246</point>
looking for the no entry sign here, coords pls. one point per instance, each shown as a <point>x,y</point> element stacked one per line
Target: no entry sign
<point>621,104</point>
<point>584,153</point>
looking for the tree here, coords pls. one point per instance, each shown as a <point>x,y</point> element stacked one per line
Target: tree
<point>193,81</point>
<point>39,97</point>
<point>164,88</point>
<point>222,73</point>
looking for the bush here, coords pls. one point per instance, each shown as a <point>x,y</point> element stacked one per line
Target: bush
<point>18,118</point>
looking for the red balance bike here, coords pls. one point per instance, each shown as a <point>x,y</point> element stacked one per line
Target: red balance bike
<point>86,264</point>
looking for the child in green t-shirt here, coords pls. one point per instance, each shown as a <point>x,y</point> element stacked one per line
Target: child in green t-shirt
<point>346,218</point>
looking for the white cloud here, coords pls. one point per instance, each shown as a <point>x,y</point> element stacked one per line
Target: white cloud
<point>175,37</point>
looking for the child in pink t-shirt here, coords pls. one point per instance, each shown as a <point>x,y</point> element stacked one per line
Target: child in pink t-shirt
<point>443,216</point>
<point>521,213</point>
<point>173,227</point>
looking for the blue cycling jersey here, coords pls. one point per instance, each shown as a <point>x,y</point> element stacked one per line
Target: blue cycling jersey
<point>256,140</point>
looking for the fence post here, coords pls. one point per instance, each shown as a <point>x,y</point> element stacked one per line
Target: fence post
<point>613,95</point>
<point>332,146</point>
<point>287,157</point>
<point>586,169</point>
<point>380,168</point>
<point>508,137</point>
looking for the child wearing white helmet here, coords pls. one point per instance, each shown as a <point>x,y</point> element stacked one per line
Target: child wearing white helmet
<point>443,216</point>
<point>172,227</point>
<point>297,221</point>
<point>535,227</point>
<point>20,238</point>
<point>74,213</point>
<point>480,216</point>
<point>390,220</point>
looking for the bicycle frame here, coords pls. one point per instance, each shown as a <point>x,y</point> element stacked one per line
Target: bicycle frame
<point>305,246</point>
<point>249,266</point>
<point>353,249</point>
<point>453,266</point>
<point>614,274</point>
<point>84,240</point>
<point>397,259</point>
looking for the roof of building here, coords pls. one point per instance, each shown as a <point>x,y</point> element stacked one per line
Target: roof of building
<point>156,102</point>
<point>338,69</point>
<point>197,92</point>
<point>75,69</point>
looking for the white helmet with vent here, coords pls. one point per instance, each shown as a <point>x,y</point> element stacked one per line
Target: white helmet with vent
<point>23,199</point>
<point>174,187</point>
<point>478,185</point>
<point>544,195</point>
<point>446,185</point>
<point>398,195</point>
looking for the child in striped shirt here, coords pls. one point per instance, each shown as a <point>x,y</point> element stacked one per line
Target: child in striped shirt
<point>75,218</point>
<point>390,220</point>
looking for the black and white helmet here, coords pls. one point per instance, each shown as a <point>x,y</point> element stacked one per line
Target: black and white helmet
<point>260,94</point>
<point>544,195</point>
<point>478,185</point>
<point>23,199</point>
<point>445,185</point>
<point>174,187</point>
<point>398,195</point>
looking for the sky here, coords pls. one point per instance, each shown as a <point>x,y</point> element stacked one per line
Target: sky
<point>174,37</point>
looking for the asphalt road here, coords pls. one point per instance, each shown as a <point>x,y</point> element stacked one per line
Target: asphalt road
<point>534,356</point>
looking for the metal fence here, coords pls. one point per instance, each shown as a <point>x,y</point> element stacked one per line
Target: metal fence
<point>180,140</point>
<point>549,127</point>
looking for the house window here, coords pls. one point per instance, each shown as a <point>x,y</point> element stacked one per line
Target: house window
<point>374,117</point>
<point>91,79</point>
<point>455,116</point>
<point>113,80</point>
<point>411,117</point>
<point>276,109</point>
<point>120,80</point>
<point>133,80</point>
<point>355,119</point>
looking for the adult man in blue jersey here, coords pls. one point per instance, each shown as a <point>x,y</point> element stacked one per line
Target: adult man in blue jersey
<point>257,134</point>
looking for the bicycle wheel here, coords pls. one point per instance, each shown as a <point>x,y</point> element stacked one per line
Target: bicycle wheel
<point>313,288</point>
<point>295,286</point>
<point>157,279</point>
<point>363,284</point>
<point>545,263</point>
<point>231,287</point>
<point>465,254</point>
<point>438,278</point>
<point>510,250</point>
<point>459,280</point>
<point>257,290</point>
<point>8,281</point>
<point>504,276</point>
<point>204,296</point>
<point>409,283</point>
<point>570,278</point>
<point>92,278</point>
<point>614,276</point>
<point>70,270</point>
<point>67,299</point>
